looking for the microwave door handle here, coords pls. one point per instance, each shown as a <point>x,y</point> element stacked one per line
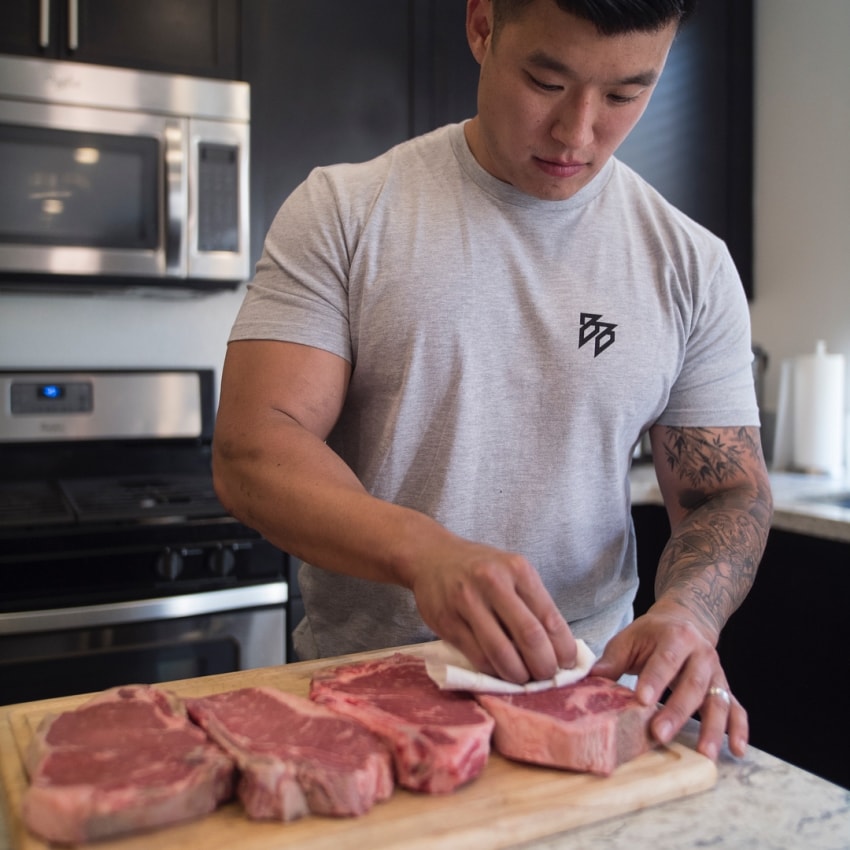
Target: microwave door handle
<point>175,198</point>
<point>44,23</point>
<point>73,25</point>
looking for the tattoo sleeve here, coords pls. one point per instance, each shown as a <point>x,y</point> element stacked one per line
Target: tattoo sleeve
<point>719,479</point>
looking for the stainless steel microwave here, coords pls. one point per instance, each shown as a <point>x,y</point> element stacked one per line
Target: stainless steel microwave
<point>121,176</point>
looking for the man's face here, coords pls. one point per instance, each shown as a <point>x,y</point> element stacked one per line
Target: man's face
<point>555,97</point>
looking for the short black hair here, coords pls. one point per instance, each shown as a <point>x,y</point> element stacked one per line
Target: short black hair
<point>610,17</point>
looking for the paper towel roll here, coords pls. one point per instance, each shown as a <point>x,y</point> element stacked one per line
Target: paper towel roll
<point>818,419</point>
<point>783,437</point>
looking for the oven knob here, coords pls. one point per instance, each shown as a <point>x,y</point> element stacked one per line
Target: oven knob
<point>169,564</point>
<point>221,560</point>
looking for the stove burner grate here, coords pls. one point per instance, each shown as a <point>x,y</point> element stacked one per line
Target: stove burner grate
<point>142,497</point>
<point>27,503</point>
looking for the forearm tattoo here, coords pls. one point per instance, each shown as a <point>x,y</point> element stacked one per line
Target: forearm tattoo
<point>710,562</point>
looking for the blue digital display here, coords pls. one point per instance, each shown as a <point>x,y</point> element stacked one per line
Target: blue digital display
<point>51,391</point>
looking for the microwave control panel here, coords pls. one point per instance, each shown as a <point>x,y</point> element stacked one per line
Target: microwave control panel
<point>218,197</point>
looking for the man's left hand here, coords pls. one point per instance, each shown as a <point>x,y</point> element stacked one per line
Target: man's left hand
<point>667,651</point>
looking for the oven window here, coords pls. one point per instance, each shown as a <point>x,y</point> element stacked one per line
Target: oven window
<point>67,674</point>
<point>66,188</point>
<point>57,661</point>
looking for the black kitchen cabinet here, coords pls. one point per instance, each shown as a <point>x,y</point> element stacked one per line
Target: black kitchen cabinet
<point>335,81</point>
<point>197,37</point>
<point>652,531</point>
<point>694,143</point>
<point>445,72</point>
<point>329,83</point>
<point>785,653</point>
<point>785,649</point>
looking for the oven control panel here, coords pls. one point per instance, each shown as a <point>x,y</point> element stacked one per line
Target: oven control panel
<point>50,398</point>
<point>100,405</point>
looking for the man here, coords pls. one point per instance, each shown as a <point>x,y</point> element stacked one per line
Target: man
<point>434,388</point>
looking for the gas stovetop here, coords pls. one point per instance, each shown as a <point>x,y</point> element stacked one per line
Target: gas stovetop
<point>32,503</point>
<point>142,498</point>
<point>136,498</point>
<point>85,448</point>
<point>106,492</point>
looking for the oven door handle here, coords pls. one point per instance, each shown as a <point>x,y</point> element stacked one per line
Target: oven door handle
<point>140,610</point>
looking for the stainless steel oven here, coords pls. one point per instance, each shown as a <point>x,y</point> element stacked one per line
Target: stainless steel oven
<point>111,175</point>
<point>118,563</point>
<point>47,653</point>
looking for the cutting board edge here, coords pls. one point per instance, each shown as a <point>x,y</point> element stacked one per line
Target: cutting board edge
<point>693,773</point>
<point>14,782</point>
<point>700,775</point>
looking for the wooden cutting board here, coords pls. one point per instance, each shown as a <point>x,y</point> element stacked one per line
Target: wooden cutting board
<point>507,804</point>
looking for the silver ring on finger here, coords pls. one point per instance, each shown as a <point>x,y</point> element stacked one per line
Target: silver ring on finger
<point>717,691</point>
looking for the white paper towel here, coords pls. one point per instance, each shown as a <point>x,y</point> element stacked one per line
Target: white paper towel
<point>810,415</point>
<point>449,669</point>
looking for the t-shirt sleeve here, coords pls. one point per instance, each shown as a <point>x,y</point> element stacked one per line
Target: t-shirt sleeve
<point>715,386</point>
<point>300,289</point>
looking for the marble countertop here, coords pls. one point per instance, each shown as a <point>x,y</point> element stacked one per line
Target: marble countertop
<point>758,803</point>
<point>797,502</point>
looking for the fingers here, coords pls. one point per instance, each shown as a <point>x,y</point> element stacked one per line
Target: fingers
<point>720,712</point>
<point>539,631</point>
<point>737,726</point>
<point>498,613</point>
<point>518,631</point>
<point>672,653</point>
<point>622,655</point>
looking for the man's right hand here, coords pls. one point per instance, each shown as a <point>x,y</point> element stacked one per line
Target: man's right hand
<point>493,607</point>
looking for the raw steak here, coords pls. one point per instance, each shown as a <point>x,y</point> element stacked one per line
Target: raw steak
<point>439,739</point>
<point>591,726</point>
<point>127,760</point>
<point>295,756</point>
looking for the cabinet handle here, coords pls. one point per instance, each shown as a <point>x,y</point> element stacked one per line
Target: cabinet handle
<point>44,23</point>
<point>73,25</point>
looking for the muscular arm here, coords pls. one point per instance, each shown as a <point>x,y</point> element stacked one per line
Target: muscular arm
<point>278,403</point>
<point>274,471</point>
<point>717,494</point>
<point>716,489</point>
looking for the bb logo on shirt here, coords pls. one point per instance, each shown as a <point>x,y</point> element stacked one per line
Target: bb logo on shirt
<point>602,333</point>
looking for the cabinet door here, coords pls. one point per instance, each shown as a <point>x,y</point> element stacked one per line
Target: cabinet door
<point>21,23</point>
<point>694,142</point>
<point>785,653</point>
<point>652,531</point>
<point>330,82</point>
<point>197,37</point>
<point>445,73</point>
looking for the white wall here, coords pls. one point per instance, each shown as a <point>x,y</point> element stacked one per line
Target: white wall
<point>115,331</point>
<point>802,235</point>
<point>802,181</point>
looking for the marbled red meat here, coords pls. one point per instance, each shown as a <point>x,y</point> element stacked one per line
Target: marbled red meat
<point>127,760</point>
<point>592,726</point>
<point>295,757</point>
<point>439,739</point>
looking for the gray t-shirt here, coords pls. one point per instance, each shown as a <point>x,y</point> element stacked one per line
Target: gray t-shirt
<point>508,353</point>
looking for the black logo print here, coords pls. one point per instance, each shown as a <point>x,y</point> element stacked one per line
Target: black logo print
<point>602,333</point>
